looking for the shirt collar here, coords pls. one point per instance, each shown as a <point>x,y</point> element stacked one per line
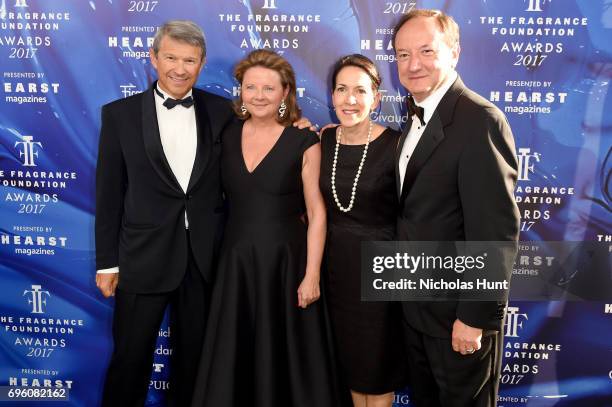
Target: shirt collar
<point>431,102</point>
<point>163,93</point>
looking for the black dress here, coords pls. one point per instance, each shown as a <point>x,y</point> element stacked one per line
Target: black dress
<point>260,349</point>
<point>368,337</point>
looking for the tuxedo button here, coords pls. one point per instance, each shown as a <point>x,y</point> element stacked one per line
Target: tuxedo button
<point>189,196</point>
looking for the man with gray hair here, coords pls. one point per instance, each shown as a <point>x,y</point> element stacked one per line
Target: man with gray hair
<point>159,213</point>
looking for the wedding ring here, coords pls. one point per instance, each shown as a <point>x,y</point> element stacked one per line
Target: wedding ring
<point>470,350</point>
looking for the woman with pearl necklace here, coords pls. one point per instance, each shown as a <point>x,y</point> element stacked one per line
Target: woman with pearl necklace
<point>358,183</point>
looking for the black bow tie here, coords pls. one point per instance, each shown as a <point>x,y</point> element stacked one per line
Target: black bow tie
<point>171,103</point>
<point>413,109</point>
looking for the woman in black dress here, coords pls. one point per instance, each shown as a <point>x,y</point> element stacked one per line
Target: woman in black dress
<point>358,184</point>
<point>266,343</point>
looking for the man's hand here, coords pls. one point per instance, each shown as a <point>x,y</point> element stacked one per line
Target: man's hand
<point>107,283</point>
<point>327,126</point>
<point>303,123</point>
<point>466,339</point>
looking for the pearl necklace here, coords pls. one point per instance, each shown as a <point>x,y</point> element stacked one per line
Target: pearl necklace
<point>333,174</point>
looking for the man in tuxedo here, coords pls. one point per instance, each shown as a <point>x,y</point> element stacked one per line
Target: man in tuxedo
<point>159,216</point>
<point>456,172</point>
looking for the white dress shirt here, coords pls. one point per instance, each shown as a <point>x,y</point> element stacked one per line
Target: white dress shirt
<point>417,129</point>
<point>179,138</point>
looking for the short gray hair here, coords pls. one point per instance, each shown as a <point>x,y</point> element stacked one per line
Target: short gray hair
<point>181,30</point>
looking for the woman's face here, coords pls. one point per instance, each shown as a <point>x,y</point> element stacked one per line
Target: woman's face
<point>353,96</point>
<point>262,92</point>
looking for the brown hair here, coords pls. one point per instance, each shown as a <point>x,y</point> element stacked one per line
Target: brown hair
<point>360,61</point>
<point>271,60</point>
<point>447,24</point>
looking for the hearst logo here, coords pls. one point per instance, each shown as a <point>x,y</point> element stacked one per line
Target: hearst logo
<point>608,309</point>
<point>514,322</point>
<point>526,160</point>
<point>37,298</point>
<point>536,5</point>
<point>28,150</point>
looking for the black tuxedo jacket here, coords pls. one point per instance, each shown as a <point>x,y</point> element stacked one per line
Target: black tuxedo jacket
<point>140,223</point>
<point>459,185</point>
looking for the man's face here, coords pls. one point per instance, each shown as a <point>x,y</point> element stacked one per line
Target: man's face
<point>178,65</point>
<point>424,58</point>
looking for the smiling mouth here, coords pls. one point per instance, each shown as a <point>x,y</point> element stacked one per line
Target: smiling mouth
<point>350,111</point>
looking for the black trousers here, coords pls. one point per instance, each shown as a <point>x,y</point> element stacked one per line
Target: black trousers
<point>441,377</point>
<point>136,323</point>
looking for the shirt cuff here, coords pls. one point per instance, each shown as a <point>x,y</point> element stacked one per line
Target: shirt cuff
<point>111,270</point>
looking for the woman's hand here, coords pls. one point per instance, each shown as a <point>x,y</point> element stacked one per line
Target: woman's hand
<point>308,291</point>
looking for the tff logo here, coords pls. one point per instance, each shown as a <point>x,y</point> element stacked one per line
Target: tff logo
<point>514,322</point>
<point>536,5</point>
<point>37,298</point>
<point>29,150</point>
<point>18,4</point>
<point>526,161</point>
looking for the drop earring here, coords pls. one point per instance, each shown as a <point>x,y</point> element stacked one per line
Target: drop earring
<point>282,109</point>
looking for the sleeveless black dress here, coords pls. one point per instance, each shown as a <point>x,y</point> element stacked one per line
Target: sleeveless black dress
<point>261,350</point>
<point>368,334</point>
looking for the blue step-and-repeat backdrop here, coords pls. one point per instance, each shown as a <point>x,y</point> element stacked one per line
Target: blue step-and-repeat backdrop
<point>546,63</point>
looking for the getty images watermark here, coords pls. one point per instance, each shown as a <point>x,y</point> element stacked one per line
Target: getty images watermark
<point>485,271</point>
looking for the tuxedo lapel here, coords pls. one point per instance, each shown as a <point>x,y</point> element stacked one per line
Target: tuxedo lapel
<point>398,152</point>
<point>203,151</point>
<point>433,135</point>
<point>152,141</point>
<point>430,139</point>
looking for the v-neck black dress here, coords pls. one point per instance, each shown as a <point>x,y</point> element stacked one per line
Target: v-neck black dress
<point>368,334</point>
<point>260,348</point>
